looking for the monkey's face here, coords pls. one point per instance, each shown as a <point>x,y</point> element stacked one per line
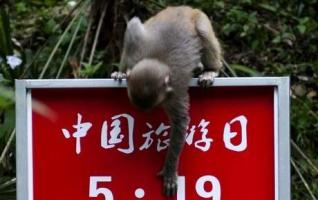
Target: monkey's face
<point>146,96</point>
<point>144,102</point>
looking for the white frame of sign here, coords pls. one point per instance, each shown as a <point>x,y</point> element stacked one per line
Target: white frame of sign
<point>24,124</point>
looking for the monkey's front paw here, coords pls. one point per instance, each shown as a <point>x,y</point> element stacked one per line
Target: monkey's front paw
<point>206,79</point>
<point>118,76</point>
<point>170,185</point>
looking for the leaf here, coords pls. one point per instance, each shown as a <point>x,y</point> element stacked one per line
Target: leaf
<point>245,69</point>
<point>268,7</point>
<point>89,70</point>
<point>21,7</point>
<point>301,28</point>
<point>6,93</point>
<point>49,27</point>
<point>304,20</point>
<point>277,39</point>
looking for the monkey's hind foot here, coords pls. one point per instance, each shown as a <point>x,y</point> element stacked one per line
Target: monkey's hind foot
<point>206,79</point>
<point>118,76</point>
<point>170,185</point>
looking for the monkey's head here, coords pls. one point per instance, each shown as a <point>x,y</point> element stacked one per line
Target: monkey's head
<point>148,83</point>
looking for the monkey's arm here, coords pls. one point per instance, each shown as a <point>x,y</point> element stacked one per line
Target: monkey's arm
<point>211,53</point>
<point>177,110</point>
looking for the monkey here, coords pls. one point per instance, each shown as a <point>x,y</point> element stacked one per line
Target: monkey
<point>158,59</point>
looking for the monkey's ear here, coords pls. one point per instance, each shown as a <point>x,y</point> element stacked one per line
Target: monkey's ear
<point>167,80</point>
<point>128,73</point>
<point>169,89</point>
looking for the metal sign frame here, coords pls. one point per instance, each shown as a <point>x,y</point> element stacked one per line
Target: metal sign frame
<point>24,124</point>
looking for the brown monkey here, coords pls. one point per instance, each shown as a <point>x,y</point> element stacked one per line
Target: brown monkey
<point>158,59</point>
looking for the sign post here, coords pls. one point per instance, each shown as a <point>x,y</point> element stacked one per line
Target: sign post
<point>82,139</point>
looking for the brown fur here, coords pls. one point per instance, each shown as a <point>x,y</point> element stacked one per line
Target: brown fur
<point>160,56</point>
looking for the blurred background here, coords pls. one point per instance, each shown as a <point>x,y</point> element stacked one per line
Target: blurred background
<point>42,39</point>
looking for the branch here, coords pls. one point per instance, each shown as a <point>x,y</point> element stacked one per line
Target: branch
<point>303,179</point>
<point>6,148</point>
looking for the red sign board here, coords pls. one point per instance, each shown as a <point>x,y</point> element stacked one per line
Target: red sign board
<point>95,145</point>
<point>83,140</point>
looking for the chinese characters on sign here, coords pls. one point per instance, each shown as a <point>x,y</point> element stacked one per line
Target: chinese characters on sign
<point>81,131</point>
<point>113,135</point>
<point>104,146</point>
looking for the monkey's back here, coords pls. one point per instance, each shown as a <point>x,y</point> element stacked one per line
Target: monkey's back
<point>176,36</point>
<point>174,16</point>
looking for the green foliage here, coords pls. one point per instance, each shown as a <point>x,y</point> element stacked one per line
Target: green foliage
<point>90,70</point>
<point>260,38</point>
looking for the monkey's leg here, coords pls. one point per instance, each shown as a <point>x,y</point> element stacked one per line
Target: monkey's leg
<point>134,35</point>
<point>121,74</point>
<point>211,53</point>
<point>178,113</point>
